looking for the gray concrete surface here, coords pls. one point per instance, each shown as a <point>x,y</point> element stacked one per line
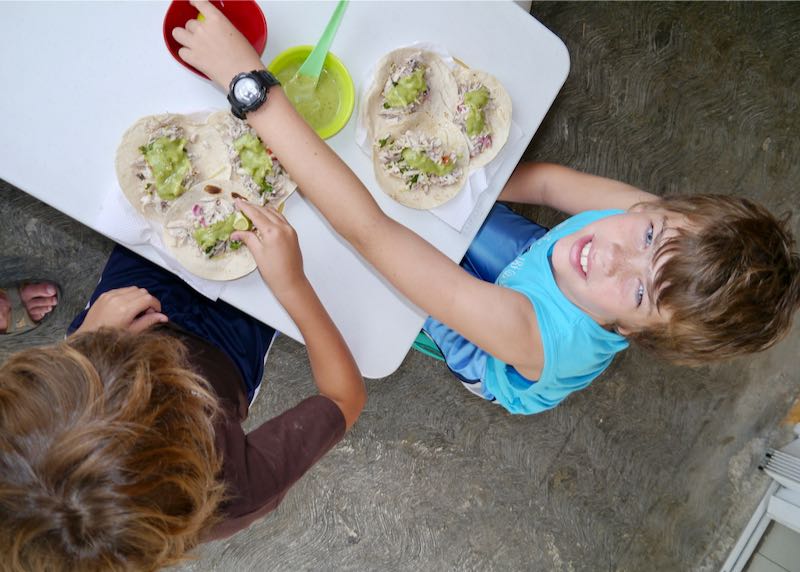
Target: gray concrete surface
<point>651,468</point>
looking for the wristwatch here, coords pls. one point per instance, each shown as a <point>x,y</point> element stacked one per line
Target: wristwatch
<point>248,91</point>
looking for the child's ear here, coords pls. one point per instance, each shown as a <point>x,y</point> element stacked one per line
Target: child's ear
<point>618,329</point>
<point>622,330</point>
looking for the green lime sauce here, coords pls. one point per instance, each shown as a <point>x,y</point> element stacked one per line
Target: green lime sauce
<point>319,105</point>
<point>407,89</point>
<point>255,159</point>
<point>207,237</point>
<point>169,163</point>
<point>476,100</point>
<point>419,160</point>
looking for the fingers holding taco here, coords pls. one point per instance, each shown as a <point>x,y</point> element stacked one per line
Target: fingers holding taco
<point>198,231</point>
<point>275,248</point>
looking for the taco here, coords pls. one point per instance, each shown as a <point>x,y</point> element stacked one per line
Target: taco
<point>161,156</point>
<point>408,81</point>
<point>253,164</point>
<point>421,164</point>
<point>198,228</point>
<point>483,113</point>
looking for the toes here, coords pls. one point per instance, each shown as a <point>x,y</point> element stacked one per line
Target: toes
<point>37,314</point>
<point>39,308</point>
<point>39,299</point>
<point>40,305</point>
<point>48,301</point>
<point>39,290</point>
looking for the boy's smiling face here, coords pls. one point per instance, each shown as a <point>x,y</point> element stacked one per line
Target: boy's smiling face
<point>607,268</point>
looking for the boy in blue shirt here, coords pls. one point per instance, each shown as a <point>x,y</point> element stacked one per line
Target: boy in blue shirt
<point>694,279</point>
<point>576,348</point>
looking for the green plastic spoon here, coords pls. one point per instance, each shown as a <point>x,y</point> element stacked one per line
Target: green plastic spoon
<point>312,67</point>
<point>300,89</point>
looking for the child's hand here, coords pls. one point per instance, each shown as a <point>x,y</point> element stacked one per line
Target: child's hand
<point>215,46</point>
<point>131,308</point>
<point>274,247</point>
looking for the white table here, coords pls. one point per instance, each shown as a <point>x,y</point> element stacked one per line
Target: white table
<point>75,75</point>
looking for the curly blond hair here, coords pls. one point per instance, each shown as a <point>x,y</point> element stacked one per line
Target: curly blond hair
<point>107,457</point>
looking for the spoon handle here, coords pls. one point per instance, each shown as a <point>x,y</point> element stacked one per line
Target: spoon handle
<point>313,64</point>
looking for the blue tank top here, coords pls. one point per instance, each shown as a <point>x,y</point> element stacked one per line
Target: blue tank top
<point>576,348</point>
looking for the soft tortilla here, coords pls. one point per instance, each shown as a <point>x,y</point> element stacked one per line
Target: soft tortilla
<point>229,129</point>
<point>452,139</point>
<point>204,145</point>
<point>442,87</point>
<point>498,118</point>
<point>227,266</point>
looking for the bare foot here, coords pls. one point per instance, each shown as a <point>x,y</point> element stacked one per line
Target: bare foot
<point>39,299</point>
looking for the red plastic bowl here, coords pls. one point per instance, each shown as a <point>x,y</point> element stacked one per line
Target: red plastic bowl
<point>244,14</point>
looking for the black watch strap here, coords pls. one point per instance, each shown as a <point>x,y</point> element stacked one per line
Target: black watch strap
<point>267,78</point>
<point>263,79</point>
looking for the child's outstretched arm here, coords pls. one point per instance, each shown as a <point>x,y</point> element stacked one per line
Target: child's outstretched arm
<point>568,190</point>
<point>500,320</point>
<point>280,263</point>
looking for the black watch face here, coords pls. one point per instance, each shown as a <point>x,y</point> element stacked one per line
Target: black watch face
<point>246,91</point>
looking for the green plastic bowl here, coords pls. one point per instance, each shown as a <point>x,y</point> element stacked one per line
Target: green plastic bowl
<point>334,66</point>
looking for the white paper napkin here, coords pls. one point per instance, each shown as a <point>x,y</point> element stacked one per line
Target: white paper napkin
<point>457,210</point>
<point>119,220</point>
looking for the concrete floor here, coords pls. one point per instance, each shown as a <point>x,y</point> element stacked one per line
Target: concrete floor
<point>651,468</point>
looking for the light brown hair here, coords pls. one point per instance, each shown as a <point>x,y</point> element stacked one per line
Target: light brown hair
<point>107,458</point>
<point>730,282</point>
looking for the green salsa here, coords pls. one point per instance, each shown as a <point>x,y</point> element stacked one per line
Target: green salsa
<point>255,159</point>
<point>318,105</point>
<point>169,163</point>
<point>406,90</point>
<point>419,160</point>
<point>476,100</point>
<point>207,237</point>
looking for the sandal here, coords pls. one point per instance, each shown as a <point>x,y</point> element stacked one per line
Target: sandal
<point>19,321</point>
